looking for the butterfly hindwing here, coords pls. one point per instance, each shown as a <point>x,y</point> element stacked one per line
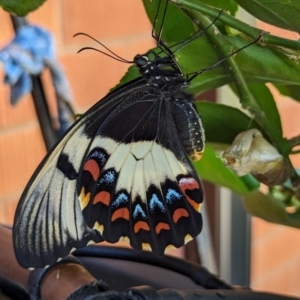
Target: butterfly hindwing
<point>140,184</point>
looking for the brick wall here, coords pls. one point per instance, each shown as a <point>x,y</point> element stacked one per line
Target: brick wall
<point>124,28</point>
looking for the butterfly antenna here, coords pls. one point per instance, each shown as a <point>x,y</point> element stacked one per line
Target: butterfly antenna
<point>114,55</point>
<point>196,34</point>
<point>155,21</point>
<point>194,75</point>
<point>157,37</point>
<point>164,48</point>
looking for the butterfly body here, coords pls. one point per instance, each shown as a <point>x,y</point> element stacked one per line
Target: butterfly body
<point>121,172</point>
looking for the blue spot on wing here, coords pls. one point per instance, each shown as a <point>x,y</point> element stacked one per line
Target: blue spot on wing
<point>155,202</point>
<point>108,178</point>
<point>122,198</point>
<point>97,154</point>
<point>172,196</point>
<point>138,211</point>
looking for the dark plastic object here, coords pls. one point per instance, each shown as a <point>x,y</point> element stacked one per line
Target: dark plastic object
<point>39,99</point>
<point>148,293</point>
<point>114,265</point>
<point>12,290</point>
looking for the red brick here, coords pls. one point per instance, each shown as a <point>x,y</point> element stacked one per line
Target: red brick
<point>261,229</point>
<point>92,75</point>
<point>21,150</point>
<point>8,206</point>
<point>48,16</point>
<point>7,32</point>
<point>104,19</point>
<point>273,250</point>
<point>283,280</point>
<point>17,114</point>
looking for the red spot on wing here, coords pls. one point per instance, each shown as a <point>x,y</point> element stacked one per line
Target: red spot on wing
<point>102,197</point>
<point>122,213</point>
<point>179,213</point>
<point>141,225</point>
<point>190,184</point>
<point>92,167</point>
<point>161,226</point>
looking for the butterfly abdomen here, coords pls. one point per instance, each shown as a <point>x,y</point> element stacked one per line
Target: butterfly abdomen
<point>189,126</point>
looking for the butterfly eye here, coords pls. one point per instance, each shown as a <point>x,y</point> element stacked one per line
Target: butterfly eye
<point>141,61</point>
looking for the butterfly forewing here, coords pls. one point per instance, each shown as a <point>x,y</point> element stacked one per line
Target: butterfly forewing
<point>48,222</point>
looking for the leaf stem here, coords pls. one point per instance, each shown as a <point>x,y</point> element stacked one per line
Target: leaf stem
<point>228,20</point>
<point>295,141</point>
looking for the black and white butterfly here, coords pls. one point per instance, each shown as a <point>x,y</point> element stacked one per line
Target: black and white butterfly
<point>121,172</point>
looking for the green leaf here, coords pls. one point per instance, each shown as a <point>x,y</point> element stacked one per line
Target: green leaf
<point>292,91</point>
<point>177,26</point>
<point>281,13</point>
<point>131,74</point>
<point>258,64</point>
<point>264,64</point>
<point>223,123</point>
<point>212,169</point>
<point>266,101</point>
<point>228,5</point>
<point>20,7</point>
<point>269,209</point>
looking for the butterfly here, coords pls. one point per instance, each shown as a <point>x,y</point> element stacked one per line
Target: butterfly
<point>121,172</point>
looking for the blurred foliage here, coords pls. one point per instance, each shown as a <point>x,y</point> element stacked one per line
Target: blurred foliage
<point>20,7</point>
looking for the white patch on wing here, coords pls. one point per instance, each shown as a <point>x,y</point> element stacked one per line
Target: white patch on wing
<point>75,157</point>
<point>141,149</point>
<point>117,158</point>
<point>126,175</point>
<point>108,144</point>
<point>138,184</point>
<point>162,167</point>
<point>150,171</point>
<point>76,151</point>
<point>70,215</point>
<point>176,166</point>
<point>139,164</point>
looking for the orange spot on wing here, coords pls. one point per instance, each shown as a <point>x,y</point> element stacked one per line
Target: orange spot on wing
<point>141,225</point>
<point>84,198</point>
<point>161,226</point>
<point>193,203</point>
<point>102,197</point>
<point>92,167</point>
<point>179,213</point>
<point>122,213</point>
<point>190,184</point>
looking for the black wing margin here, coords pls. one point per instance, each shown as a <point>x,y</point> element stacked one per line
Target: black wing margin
<point>48,221</point>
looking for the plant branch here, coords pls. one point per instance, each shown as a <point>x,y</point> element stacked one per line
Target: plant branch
<point>246,98</point>
<point>228,20</point>
<point>295,141</point>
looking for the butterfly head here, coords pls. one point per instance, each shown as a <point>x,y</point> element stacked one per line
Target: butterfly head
<point>160,71</point>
